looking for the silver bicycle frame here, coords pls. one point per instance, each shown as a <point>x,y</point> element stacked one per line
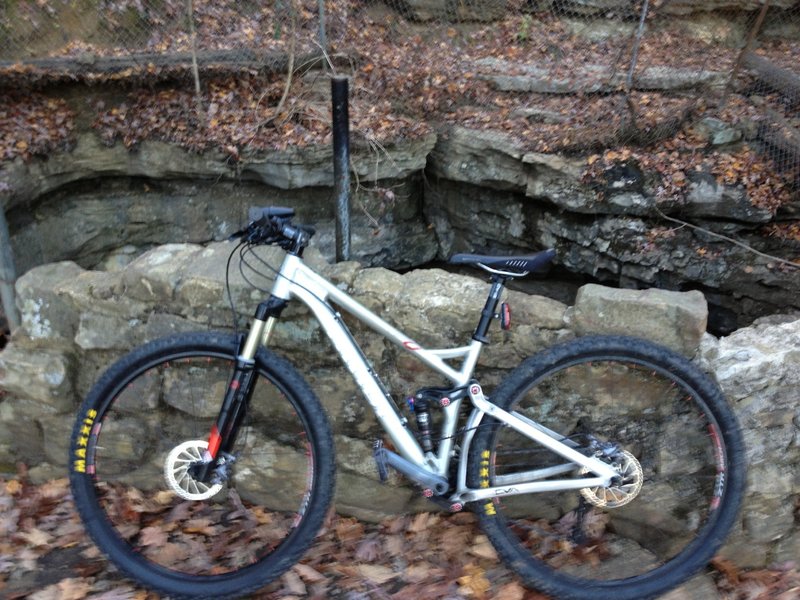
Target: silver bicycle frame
<point>297,280</point>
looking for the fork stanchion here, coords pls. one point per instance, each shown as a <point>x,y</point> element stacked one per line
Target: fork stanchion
<point>341,165</point>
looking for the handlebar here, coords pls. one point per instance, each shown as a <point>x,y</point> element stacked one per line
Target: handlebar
<point>273,225</point>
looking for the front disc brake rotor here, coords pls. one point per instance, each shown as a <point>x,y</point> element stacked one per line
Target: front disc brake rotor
<point>176,471</point>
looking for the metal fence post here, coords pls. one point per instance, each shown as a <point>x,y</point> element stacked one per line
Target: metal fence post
<point>751,38</point>
<point>322,32</point>
<point>341,165</point>
<point>8,275</point>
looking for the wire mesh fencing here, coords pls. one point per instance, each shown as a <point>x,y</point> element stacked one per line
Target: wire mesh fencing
<point>572,76</point>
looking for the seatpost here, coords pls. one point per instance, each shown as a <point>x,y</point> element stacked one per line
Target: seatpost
<point>489,309</point>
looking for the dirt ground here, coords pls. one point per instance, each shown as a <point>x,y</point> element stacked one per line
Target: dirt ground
<point>46,555</point>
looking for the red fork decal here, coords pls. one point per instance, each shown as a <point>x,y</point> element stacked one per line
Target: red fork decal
<point>214,442</point>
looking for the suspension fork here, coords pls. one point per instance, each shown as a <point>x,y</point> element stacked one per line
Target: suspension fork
<point>237,397</point>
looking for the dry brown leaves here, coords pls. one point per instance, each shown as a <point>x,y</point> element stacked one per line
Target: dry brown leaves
<point>409,78</point>
<point>240,114</point>
<point>45,555</point>
<point>789,231</point>
<point>33,124</point>
<point>673,160</point>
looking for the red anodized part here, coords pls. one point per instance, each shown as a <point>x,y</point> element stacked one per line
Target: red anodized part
<point>505,316</point>
<point>214,441</point>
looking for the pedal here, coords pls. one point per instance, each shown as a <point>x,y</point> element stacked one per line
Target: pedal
<point>380,461</point>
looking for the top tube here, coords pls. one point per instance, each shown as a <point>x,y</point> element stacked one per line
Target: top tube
<point>298,280</point>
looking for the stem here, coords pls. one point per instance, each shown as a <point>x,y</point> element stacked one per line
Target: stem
<point>751,38</point>
<point>323,35</point>
<point>195,69</point>
<point>637,42</point>
<point>290,73</point>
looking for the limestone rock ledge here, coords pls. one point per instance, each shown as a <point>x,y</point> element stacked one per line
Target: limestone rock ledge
<point>90,158</point>
<point>97,203</point>
<point>493,195</point>
<point>461,190</point>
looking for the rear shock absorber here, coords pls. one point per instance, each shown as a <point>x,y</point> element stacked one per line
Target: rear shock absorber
<point>420,406</point>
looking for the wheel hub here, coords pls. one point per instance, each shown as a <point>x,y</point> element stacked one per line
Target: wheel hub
<point>624,488</point>
<point>178,475</point>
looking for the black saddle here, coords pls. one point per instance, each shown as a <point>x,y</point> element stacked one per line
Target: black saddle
<point>512,266</point>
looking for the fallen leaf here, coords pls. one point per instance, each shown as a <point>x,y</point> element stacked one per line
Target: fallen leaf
<point>66,589</point>
<point>152,536</point>
<point>164,497</point>
<point>13,487</point>
<point>474,581</point>
<point>348,530</point>
<point>377,573</point>
<point>122,593</point>
<point>394,545</point>
<point>36,537</point>
<point>483,548</point>
<point>369,550</point>
<point>419,572</point>
<point>55,488</point>
<point>293,583</point>
<point>510,591</point>
<point>421,522</point>
<point>308,574</point>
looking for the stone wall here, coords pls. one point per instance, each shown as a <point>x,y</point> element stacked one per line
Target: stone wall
<point>76,321</point>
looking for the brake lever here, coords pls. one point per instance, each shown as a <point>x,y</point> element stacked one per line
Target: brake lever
<point>253,233</point>
<point>236,235</point>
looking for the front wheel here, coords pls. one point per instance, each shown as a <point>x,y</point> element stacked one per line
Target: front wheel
<point>665,428</point>
<point>147,421</point>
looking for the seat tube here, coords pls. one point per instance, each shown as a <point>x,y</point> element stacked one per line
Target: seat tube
<point>489,309</point>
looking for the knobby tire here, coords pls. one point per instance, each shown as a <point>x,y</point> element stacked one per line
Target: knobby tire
<point>680,430</point>
<point>243,537</point>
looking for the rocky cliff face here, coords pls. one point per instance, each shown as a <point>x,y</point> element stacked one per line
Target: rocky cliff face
<point>76,321</point>
<point>492,195</point>
<point>98,203</point>
<point>479,191</point>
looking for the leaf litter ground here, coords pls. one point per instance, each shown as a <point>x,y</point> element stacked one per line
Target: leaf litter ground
<point>45,555</point>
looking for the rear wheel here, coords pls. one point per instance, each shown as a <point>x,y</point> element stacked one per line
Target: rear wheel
<point>143,426</point>
<point>667,431</point>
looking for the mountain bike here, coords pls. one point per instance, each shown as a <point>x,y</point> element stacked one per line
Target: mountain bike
<point>202,464</point>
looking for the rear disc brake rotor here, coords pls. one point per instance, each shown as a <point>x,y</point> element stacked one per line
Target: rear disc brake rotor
<point>618,494</point>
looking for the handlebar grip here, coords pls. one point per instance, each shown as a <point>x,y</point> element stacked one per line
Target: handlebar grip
<point>272,225</point>
<point>296,232</point>
<point>281,212</point>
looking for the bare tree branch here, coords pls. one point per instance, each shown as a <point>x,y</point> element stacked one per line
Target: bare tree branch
<point>727,239</point>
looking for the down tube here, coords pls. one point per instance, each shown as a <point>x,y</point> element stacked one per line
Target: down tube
<point>356,363</point>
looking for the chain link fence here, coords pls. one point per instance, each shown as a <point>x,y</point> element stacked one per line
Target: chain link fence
<point>574,76</point>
